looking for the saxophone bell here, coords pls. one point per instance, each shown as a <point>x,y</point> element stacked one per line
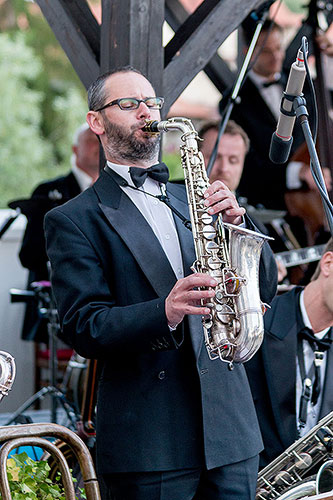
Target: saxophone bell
<point>7,373</point>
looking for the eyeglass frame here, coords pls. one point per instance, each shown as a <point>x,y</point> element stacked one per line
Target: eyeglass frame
<point>116,102</point>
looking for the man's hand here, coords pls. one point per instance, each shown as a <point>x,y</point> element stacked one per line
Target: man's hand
<point>220,199</point>
<point>184,298</point>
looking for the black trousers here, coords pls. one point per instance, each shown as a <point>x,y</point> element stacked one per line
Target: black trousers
<point>230,482</point>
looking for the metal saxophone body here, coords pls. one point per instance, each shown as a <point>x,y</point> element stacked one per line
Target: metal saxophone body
<point>234,329</point>
<point>7,373</point>
<point>294,474</point>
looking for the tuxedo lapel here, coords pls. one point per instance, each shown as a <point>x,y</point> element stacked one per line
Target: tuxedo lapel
<point>279,357</point>
<point>136,233</point>
<point>327,400</point>
<point>184,234</point>
<point>258,102</point>
<point>186,242</point>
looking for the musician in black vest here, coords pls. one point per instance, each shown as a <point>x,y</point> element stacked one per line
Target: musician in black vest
<point>171,423</point>
<point>290,393</point>
<point>47,195</point>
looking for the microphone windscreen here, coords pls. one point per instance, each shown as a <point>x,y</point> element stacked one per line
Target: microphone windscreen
<point>279,150</point>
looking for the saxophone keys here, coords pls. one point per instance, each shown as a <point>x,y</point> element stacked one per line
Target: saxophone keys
<point>214,263</point>
<point>209,232</point>
<point>206,218</point>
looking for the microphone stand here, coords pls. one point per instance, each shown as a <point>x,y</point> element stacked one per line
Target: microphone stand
<point>299,106</point>
<point>263,13</point>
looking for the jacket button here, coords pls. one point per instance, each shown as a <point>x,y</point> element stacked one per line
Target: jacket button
<point>203,371</point>
<point>161,375</point>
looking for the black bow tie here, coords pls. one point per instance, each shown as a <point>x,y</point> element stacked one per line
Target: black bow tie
<point>319,344</point>
<point>158,172</point>
<point>272,82</point>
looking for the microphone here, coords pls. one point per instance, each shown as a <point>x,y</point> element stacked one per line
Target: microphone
<point>282,138</point>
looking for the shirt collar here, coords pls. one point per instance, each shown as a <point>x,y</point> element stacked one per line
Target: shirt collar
<point>150,185</point>
<point>83,179</point>
<point>122,170</point>
<point>305,317</point>
<point>259,80</point>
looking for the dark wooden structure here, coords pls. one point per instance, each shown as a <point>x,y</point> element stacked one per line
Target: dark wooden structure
<point>131,33</point>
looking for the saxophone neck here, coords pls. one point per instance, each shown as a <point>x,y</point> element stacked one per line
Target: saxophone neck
<point>184,125</point>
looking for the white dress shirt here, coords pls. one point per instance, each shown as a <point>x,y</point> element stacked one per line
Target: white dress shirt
<point>313,411</point>
<point>83,179</point>
<point>156,213</point>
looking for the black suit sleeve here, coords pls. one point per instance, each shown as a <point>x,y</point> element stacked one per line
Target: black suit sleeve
<point>91,318</point>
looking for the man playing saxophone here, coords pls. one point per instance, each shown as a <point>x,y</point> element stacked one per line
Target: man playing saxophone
<point>291,375</point>
<point>170,422</point>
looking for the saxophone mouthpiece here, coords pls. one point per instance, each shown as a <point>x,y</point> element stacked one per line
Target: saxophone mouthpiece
<point>151,127</point>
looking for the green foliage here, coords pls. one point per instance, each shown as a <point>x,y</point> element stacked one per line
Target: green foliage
<point>23,151</point>
<point>172,160</point>
<point>42,101</point>
<point>28,480</point>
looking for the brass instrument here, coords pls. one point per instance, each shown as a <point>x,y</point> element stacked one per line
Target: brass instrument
<point>7,373</point>
<point>290,476</point>
<point>14,436</point>
<point>234,328</point>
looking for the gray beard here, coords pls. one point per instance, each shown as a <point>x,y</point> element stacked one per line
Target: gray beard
<point>122,144</point>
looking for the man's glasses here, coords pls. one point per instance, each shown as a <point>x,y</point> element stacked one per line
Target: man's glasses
<point>130,103</point>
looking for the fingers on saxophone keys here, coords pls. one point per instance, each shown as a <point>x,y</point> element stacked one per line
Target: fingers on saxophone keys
<point>198,280</point>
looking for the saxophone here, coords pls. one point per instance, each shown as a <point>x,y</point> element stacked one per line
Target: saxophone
<point>290,476</point>
<point>234,328</point>
<point>7,373</point>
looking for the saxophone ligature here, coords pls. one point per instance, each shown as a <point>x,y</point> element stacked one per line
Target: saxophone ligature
<point>234,328</point>
<point>7,373</point>
<point>305,469</point>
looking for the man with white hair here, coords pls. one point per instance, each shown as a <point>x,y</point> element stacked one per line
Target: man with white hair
<point>49,194</point>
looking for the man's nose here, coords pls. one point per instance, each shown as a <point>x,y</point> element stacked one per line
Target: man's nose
<point>143,110</point>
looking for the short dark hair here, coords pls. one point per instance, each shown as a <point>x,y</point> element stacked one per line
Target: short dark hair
<point>96,91</point>
<point>232,128</point>
<point>328,248</point>
<point>249,27</point>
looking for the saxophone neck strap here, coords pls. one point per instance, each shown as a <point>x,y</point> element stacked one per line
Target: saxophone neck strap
<point>163,197</point>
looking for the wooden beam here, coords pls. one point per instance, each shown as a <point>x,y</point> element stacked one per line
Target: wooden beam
<point>217,69</point>
<point>204,41</point>
<point>188,27</point>
<point>131,34</point>
<point>77,32</point>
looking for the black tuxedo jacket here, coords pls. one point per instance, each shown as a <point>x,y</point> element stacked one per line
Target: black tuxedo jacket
<point>262,182</point>
<point>162,404</point>
<point>46,196</point>
<point>272,377</point>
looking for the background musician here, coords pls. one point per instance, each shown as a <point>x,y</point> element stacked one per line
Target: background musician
<point>127,297</point>
<point>229,163</point>
<point>264,182</point>
<point>54,192</point>
<point>298,329</point>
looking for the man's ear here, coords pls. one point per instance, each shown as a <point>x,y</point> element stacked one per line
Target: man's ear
<point>95,122</point>
<point>326,263</point>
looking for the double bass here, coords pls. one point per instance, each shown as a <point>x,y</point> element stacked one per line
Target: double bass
<point>306,203</point>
